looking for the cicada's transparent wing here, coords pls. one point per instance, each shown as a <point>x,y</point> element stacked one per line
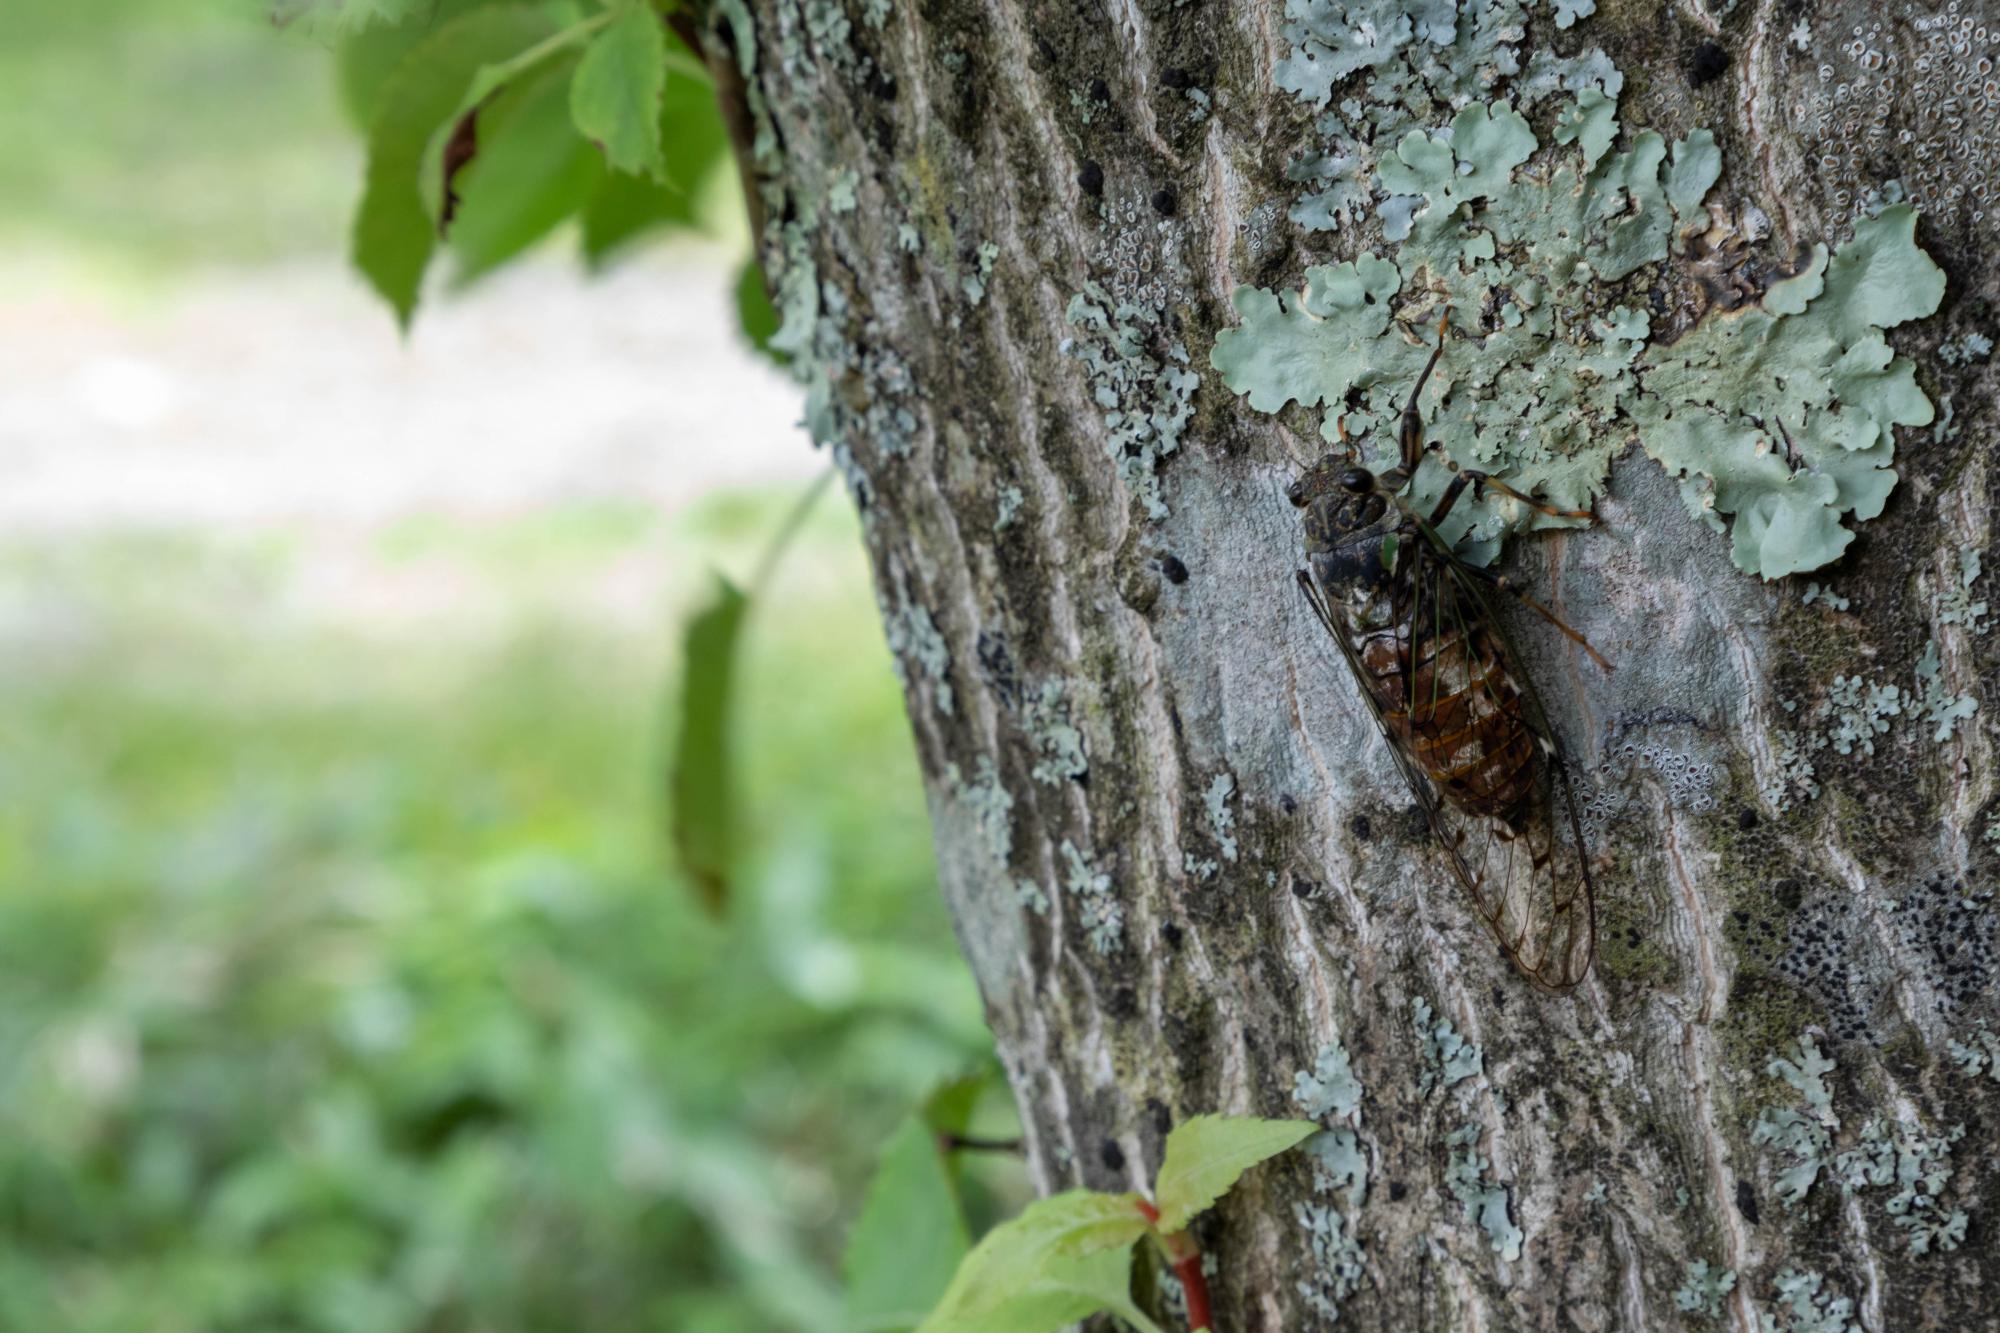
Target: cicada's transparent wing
<point>1507,813</point>
<point>1483,765</point>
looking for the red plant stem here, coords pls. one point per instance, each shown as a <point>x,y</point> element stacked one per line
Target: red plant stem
<point>1186,1258</point>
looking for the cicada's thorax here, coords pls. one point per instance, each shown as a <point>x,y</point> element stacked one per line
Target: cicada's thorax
<point>1441,676</point>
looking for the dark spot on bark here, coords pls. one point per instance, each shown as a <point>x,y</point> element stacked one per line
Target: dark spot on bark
<point>1287,804</point>
<point>1100,91</point>
<point>1112,1155</point>
<point>1174,720</point>
<point>1175,571</point>
<point>996,666</point>
<point>881,86</point>
<point>1397,1189</point>
<point>1499,997</point>
<point>1746,1201</point>
<point>1746,819</point>
<point>1163,1119</point>
<point>1091,180</point>
<point>1742,917</point>
<point>1303,887</point>
<point>1175,77</point>
<point>1171,933</point>
<point>1361,828</point>
<point>1164,203</point>
<point>1788,892</point>
<point>1707,64</point>
<point>1123,1004</point>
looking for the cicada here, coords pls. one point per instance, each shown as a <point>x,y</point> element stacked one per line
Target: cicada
<point>1415,622</point>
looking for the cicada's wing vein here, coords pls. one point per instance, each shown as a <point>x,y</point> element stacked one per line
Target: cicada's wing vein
<point>1532,882</point>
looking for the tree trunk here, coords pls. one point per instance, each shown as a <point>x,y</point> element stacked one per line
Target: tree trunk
<point>1007,238</point>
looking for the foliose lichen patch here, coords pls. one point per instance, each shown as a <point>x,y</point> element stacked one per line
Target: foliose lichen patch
<point>1330,1093</point>
<point>1778,418</point>
<point>1702,1289</point>
<point>1484,1201</point>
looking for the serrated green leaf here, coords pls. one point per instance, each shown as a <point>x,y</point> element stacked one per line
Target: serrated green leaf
<point>1024,1274</point>
<point>531,172</point>
<point>1206,1155</point>
<point>394,233</point>
<point>617,93</point>
<point>367,58</point>
<point>909,1237</point>
<point>694,146</point>
<point>704,811</point>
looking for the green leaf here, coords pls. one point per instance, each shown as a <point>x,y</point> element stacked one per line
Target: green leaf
<point>1023,1274</point>
<point>908,1238</point>
<point>531,172</point>
<point>394,233</point>
<point>618,90</point>
<point>694,146</point>
<point>754,310</point>
<point>704,811</point>
<point>950,1107</point>
<point>367,58</point>
<point>1207,1154</point>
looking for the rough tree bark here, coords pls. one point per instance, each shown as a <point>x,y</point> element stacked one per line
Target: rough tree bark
<point>1180,861</point>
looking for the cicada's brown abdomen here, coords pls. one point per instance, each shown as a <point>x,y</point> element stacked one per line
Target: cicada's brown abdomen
<point>1449,699</point>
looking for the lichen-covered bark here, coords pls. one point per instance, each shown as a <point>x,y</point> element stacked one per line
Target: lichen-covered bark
<point>1005,236</point>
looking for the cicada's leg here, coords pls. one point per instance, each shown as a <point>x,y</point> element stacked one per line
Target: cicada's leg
<point>1411,431</point>
<point>1481,483</point>
<point>1520,594</point>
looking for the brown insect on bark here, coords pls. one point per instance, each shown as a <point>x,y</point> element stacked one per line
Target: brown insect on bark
<point>1461,718</point>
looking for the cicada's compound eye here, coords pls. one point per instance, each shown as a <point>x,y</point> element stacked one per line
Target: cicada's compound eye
<point>1358,480</point>
<point>1296,493</point>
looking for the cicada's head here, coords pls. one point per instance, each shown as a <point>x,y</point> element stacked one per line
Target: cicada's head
<point>1340,498</point>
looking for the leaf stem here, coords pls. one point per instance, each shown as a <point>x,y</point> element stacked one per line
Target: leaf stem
<point>793,522</point>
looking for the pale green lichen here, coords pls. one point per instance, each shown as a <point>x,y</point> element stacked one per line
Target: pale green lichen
<point>841,194</point>
<point>1815,593</point>
<point>1448,1057</point>
<point>1956,606</point>
<point>1146,400</point>
<point>1009,505</point>
<point>1702,1289</point>
<point>992,808</point>
<point>1102,914</point>
<point>1858,711</point>
<point>1045,715</point>
<point>1974,346</point>
<point>1779,416</point>
<point>1980,1052</point>
<point>1330,1091</point>
<point>1803,1307</point>
<point>974,283</point>
<point>1918,1164</point>
<point>1942,709</point>
<point>1220,817</point>
<point>1483,1200</point>
<point>1806,1137</point>
<point>1330,1087</point>
<point>1796,780</point>
<point>916,643</point>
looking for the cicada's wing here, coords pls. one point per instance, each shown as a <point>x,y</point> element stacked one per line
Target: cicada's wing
<point>1478,728</point>
<point>1526,876</point>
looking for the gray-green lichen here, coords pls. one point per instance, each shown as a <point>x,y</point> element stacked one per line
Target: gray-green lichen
<point>1221,819</point>
<point>1008,507</point>
<point>1918,1164</point>
<point>1702,1289</point>
<point>1330,1091</point>
<point>915,644</point>
<point>1103,916</point>
<point>1956,606</point>
<point>1978,1054</point>
<point>1942,709</point>
<point>1805,1307</point>
<point>1805,1137</point>
<point>1448,1057</point>
<point>1484,1201</point>
<point>1330,1087</point>
<point>1778,416</point>
<point>1045,714</point>
<point>1146,401</point>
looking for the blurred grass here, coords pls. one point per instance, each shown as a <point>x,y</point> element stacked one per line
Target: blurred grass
<point>151,134</point>
<point>342,984</point>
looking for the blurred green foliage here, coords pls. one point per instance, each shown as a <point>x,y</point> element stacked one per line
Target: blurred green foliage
<point>342,984</point>
<point>150,132</point>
